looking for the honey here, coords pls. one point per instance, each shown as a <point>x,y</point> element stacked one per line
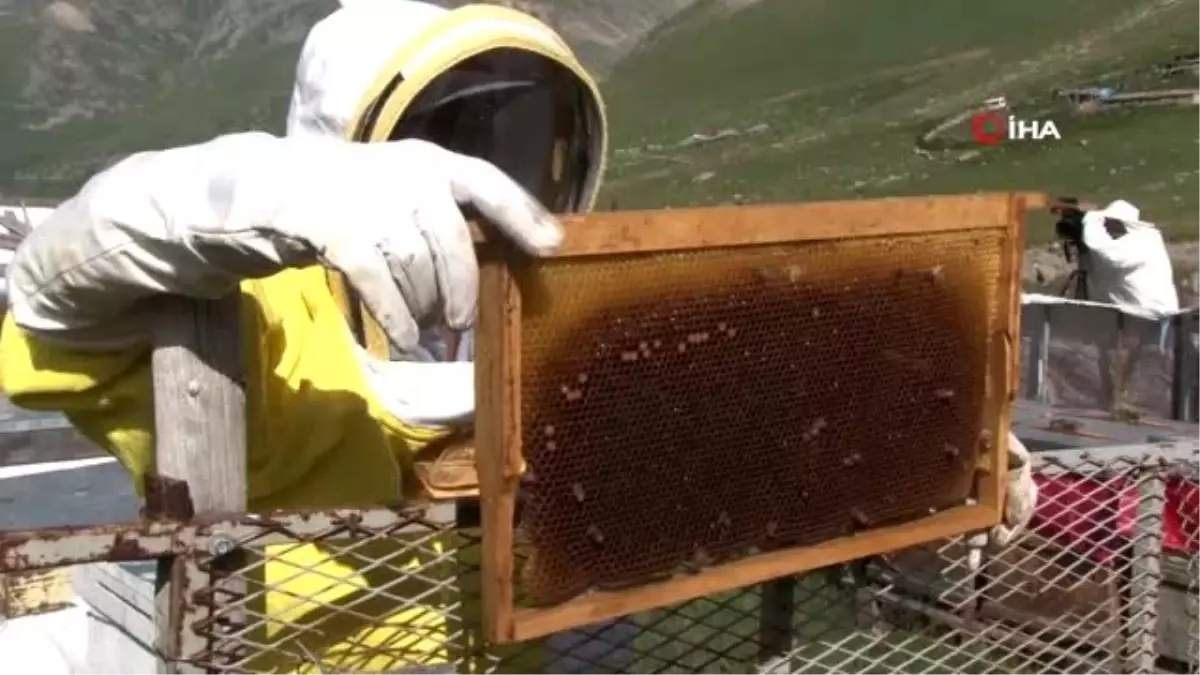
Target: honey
<point>682,410</point>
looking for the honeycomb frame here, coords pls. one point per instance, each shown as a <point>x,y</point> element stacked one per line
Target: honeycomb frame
<point>504,278</point>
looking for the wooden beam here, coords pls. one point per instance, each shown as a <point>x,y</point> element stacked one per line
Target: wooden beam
<point>199,405</point>
<point>200,455</point>
<point>611,232</point>
<point>498,437</point>
<point>606,605</point>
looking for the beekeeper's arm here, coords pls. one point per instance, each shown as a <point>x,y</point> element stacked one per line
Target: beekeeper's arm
<point>196,220</point>
<point>1135,248</point>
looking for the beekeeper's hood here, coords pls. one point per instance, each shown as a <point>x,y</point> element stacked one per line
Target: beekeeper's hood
<point>1120,210</point>
<point>482,80</point>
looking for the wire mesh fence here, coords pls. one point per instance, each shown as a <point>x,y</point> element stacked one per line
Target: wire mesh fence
<point>1077,593</point>
<point>1103,581</point>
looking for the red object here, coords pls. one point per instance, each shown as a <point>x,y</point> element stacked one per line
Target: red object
<point>1097,517</point>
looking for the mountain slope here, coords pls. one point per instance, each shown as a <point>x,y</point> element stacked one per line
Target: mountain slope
<point>86,81</point>
<point>600,31</point>
<point>828,99</point>
<point>134,74</point>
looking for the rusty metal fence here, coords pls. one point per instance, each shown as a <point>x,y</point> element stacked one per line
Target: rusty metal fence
<point>1104,581</point>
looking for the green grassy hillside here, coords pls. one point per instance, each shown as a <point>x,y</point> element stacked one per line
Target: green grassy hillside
<point>147,74</point>
<point>834,96</point>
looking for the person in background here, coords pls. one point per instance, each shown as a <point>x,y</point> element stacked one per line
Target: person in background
<point>1122,261</point>
<point>347,257</point>
<point>1127,260</point>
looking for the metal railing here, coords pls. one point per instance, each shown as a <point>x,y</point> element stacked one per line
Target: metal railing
<point>1084,590</point>
<point>1105,580</point>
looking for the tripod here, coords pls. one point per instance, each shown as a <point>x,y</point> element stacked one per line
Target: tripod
<point>1076,285</point>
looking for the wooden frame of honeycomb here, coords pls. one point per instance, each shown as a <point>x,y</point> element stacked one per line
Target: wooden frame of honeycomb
<point>721,234</point>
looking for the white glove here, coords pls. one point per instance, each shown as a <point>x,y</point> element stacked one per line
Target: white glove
<point>1021,495</point>
<point>1020,504</point>
<point>196,220</point>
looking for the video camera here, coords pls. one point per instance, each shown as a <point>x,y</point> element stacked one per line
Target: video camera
<point>1069,228</point>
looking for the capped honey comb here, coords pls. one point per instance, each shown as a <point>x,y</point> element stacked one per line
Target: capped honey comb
<point>681,410</point>
<point>679,403</point>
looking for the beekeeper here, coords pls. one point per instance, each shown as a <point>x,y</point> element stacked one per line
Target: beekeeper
<point>1127,265</point>
<point>496,116</point>
<point>1127,262</point>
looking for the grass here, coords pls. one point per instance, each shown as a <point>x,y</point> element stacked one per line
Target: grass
<point>151,87</point>
<point>844,88</point>
<point>847,88</point>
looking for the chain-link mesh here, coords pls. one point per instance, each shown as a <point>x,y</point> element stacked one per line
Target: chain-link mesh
<point>1081,591</point>
<point>1076,593</point>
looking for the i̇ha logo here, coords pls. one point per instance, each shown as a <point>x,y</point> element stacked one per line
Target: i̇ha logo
<point>993,127</point>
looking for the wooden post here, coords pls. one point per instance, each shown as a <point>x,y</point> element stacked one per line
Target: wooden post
<point>200,451</point>
<point>199,404</point>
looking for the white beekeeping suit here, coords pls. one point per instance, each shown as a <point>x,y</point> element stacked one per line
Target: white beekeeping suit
<point>1128,265</point>
<point>389,51</point>
<point>15,223</point>
<point>1130,269</point>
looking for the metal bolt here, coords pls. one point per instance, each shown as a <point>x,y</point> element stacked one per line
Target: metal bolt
<point>193,388</point>
<point>222,544</point>
<point>985,439</point>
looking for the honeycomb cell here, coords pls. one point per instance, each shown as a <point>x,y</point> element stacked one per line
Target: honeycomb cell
<point>682,410</point>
